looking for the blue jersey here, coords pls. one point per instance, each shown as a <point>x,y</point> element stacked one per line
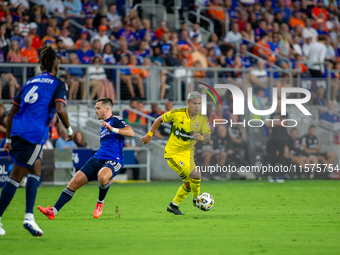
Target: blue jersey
<point>37,100</point>
<point>111,144</point>
<point>85,58</point>
<point>246,62</point>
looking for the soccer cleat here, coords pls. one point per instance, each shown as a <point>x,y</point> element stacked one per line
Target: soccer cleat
<point>98,211</point>
<point>47,211</point>
<point>32,227</point>
<point>174,209</point>
<point>195,202</point>
<point>2,231</point>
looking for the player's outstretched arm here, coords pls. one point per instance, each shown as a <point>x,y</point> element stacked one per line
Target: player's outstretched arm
<point>125,131</point>
<point>13,111</point>
<point>147,138</point>
<point>62,114</point>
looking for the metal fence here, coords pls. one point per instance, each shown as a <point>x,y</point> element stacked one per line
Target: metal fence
<point>177,85</point>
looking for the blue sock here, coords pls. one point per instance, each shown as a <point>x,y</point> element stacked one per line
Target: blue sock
<point>102,192</point>
<point>65,197</point>
<point>7,194</point>
<point>31,191</point>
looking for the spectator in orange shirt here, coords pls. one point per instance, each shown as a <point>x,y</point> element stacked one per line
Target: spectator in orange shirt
<point>186,54</point>
<point>259,51</point>
<point>303,68</point>
<point>319,9</point>
<point>133,62</point>
<point>161,29</point>
<point>30,52</point>
<point>36,42</point>
<point>218,17</point>
<point>49,39</point>
<point>296,20</point>
<point>83,36</point>
<point>198,74</point>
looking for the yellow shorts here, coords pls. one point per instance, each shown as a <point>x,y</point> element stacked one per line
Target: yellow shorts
<point>182,165</point>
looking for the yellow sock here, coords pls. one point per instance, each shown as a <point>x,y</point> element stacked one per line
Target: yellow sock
<point>181,194</point>
<point>195,187</point>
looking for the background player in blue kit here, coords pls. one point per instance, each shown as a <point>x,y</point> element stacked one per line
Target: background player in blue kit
<point>105,163</point>
<point>27,131</point>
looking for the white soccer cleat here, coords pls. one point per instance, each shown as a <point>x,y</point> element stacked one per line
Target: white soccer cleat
<point>2,231</point>
<point>32,227</point>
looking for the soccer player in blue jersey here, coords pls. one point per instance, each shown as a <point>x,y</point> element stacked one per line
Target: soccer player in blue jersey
<point>105,163</point>
<point>27,131</point>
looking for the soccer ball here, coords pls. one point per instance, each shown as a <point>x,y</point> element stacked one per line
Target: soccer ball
<point>205,201</point>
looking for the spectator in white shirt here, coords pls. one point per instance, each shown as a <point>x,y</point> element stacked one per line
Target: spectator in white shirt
<point>68,42</point>
<point>101,36</point>
<point>97,73</point>
<point>184,74</point>
<point>55,6</point>
<point>196,31</point>
<point>233,37</point>
<point>25,3</point>
<point>296,45</point>
<point>335,34</point>
<point>309,31</point>
<point>113,17</point>
<point>306,45</point>
<point>24,26</point>
<point>259,75</point>
<point>317,55</point>
<point>330,53</point>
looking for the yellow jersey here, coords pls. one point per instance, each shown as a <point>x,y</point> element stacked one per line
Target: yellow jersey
<point>183,127</point>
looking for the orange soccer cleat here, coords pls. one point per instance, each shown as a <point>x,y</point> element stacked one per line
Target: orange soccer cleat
<point>47,211</point>
<point>98,211</point>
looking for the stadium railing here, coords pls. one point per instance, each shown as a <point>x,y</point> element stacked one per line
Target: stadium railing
<point>200,9</point>
<point>177,6</point>
<point>211,24</point>
<point>154,73</point>
<point>153,11</point>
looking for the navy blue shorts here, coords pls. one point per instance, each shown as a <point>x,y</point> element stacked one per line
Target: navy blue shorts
<point>93,165</point>
<point>23,152</point>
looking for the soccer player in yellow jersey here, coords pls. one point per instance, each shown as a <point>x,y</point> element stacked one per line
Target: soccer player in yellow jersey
<point>189,127</point>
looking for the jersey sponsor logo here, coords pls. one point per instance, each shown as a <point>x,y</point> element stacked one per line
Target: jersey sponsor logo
<point>104,132</point>
<point>182,135</point>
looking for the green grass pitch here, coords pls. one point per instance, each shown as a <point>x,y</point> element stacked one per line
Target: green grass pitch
<point>249,217</point>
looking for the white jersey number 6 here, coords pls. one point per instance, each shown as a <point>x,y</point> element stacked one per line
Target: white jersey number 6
<point>31,96</point>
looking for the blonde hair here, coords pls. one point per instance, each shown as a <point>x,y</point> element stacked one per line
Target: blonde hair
<point>11,46</point>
